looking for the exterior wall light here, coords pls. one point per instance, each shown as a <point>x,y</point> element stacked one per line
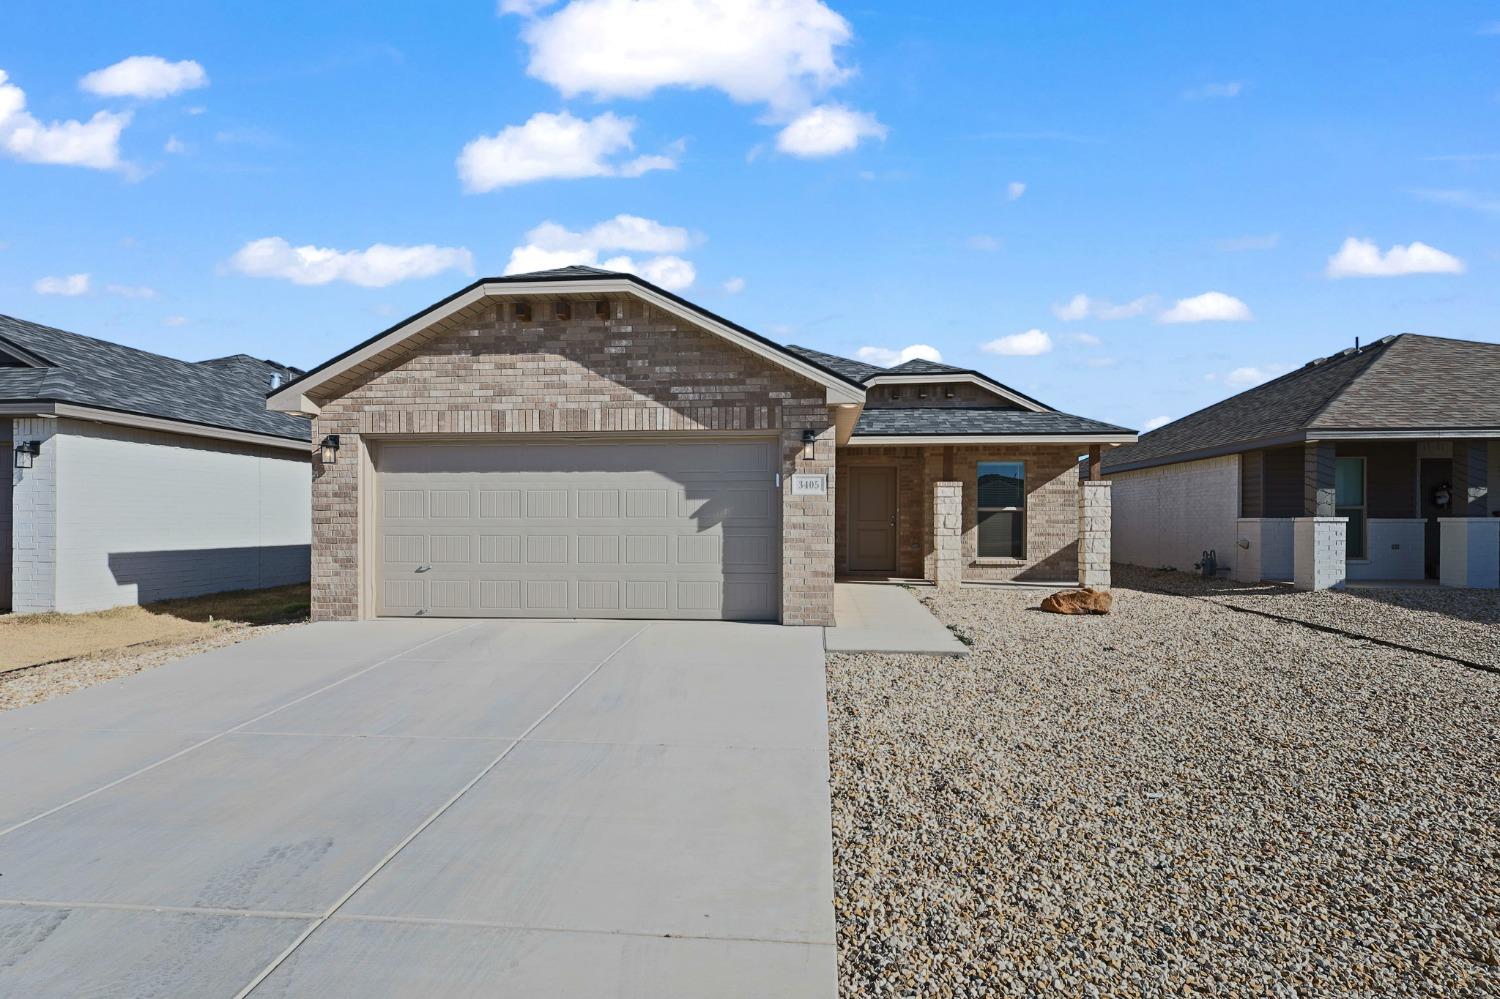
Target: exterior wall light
<point>328,449</point>
<point>26,452</point>
<point>810,444</point>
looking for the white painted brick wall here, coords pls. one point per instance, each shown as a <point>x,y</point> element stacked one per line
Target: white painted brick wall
<point>7,477</point>
<point>1268,554</point>
<point>144,516</point>
<point>1169,515</point>
<point>1396,547</point>
<point>34,521</point>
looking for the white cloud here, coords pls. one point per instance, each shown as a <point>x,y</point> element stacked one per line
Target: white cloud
<point>1084,307</point>
<point>175,321</point>
<point>1157,422</point>
<point>1242,244</point>
<point>1100,362</point>
<point>1085,339</point>
<point>734,285</point>
<point>885,357</point>
<point>1209,91</point>
<point>777,52</point>
<point>828,130</point>
<point>174,145</point>
<point>550,245</point>
<point>1014,190</point>
<point>1252,375</point>
<point>376,267</point>
<point>1209,307</point>
<point>987,244</point>
<point>1028,344</point>
<point>71,286</point>
<point>145,77</point>
<point>1488,204</point>
<point>94,143</point>
<point>131,291</point>
<point>554,146</point>
<point>1362,258</point>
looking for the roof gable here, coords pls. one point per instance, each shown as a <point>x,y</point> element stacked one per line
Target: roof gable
<point>328,379</point>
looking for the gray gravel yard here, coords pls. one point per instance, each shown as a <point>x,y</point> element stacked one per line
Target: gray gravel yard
<point>1460,623</point>
<point>1177,799</point>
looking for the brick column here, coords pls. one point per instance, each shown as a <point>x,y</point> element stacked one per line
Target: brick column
<point>34,520</point>
<point>1093,534</point>
<point>947,534</point>
<point>1317,479</point>
<point>1470,549</point>
<point>1318,553</point>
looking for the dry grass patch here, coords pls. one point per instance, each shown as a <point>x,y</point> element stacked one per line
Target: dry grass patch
<point>34,639</point>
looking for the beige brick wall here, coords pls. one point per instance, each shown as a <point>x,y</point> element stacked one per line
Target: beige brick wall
<point>1051,508</point>
<point>642,370</point>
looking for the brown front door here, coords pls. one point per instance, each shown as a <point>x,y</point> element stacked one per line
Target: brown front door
<point>1435,472</point>
<point>872,520</point>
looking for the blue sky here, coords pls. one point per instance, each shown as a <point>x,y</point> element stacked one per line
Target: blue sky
<point>1231,188</point>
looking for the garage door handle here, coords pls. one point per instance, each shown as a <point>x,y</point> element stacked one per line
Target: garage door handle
<point>424,568</point>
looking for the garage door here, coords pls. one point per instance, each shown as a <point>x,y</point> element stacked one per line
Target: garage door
<point>645,530</point>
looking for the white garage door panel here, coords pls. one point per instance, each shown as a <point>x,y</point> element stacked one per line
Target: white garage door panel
<point>579,530</point>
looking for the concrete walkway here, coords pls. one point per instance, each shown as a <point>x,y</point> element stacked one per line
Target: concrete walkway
<point>886,617</point>
<point>429,808</point>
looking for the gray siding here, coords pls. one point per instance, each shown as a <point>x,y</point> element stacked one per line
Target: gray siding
<point>145,516</point>
<point>1283,494</point>
<point>1390,476</point>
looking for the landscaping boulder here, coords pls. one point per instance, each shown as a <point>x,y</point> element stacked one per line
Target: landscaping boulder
<point>1085,601</point>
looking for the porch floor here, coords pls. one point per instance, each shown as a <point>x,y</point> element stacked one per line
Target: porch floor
<point>879,617</point>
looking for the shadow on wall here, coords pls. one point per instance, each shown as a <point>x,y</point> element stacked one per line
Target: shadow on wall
<point>1059,567</point>
<point>161,575</point>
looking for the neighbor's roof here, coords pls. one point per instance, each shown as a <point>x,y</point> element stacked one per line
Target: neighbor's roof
<point>1405,382</point>
<point>226,392</point>
<point>955,421</point>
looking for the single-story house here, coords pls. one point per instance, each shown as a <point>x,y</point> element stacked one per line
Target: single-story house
<point>1379,463</point>
<point>131,477</point>
<point>582,443</point>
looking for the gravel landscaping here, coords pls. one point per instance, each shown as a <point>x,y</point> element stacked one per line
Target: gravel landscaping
<point>1176,799</point>
<point>1450,622</point>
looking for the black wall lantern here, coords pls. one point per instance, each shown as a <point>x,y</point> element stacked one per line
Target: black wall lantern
<point>328,449</point>
<point>810,444</point>
<point>26,452</point>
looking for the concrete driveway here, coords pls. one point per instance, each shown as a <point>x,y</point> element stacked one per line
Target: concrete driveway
<point>429,808</point>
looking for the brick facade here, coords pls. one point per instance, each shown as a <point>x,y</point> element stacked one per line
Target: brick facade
<point>1052,500</point>
<point>641,370</point>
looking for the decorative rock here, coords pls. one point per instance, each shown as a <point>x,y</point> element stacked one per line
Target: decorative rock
<point>1085,601</point>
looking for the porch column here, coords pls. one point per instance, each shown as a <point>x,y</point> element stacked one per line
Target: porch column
<point>1318,537</point>
<point>1471,478</point>
<point>1093,534</point>
<point>947,534</point>
<point>1470,549</point>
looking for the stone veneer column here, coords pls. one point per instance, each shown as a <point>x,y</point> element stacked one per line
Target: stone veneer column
<point>1317,479</point>
<point>1093,534</point>
<point>947,534</point>
<point>34,520</point>
<point>1318,553</point>
<point>1471,478</point>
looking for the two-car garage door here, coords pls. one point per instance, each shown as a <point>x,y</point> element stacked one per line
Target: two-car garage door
<point>580,529</point>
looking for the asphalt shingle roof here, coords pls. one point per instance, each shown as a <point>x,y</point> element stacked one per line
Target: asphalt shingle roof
<point>1403,382</point>
<point>955,421</point>
<point>226,392</point>
<point>848,367</point>
<point>918,366</point>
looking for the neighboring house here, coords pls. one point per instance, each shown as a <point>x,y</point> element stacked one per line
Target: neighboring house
<point>132,477</point>
<point>1378,463</point>
<point>581,443</point>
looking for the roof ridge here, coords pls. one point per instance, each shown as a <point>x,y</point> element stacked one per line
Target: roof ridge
<point>1384,344</point>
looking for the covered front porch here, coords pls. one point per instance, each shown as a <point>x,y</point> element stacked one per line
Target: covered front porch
<point>1323,513</point>
<point>954,513</point>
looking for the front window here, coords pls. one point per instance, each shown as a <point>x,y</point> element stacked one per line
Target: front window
<point>1002,509</point>
<point>1349,501</point>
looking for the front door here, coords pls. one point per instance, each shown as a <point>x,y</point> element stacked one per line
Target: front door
<point>872,520</point>
<point>1435,472</point>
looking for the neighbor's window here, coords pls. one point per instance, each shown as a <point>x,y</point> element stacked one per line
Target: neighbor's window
<point>1002,509</point>
<point>1349,501</point>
